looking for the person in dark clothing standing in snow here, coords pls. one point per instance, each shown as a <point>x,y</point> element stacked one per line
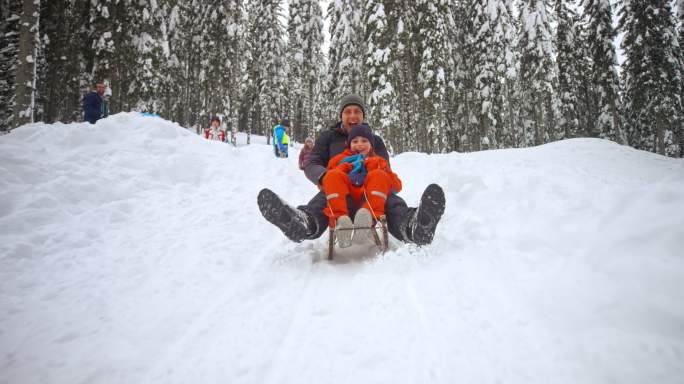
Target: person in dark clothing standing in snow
<point>413,225</point>
<point>93,104</point>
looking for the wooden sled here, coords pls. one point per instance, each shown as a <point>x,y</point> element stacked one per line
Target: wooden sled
<point>383,244</point>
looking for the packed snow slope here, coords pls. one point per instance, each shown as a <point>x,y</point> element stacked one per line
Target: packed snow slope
<point>133,251</point>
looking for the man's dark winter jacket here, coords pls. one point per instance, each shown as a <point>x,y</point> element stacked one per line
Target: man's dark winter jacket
<point>331,143</point>
<point>92,107</point>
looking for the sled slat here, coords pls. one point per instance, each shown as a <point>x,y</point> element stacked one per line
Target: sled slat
<point>381,243</point>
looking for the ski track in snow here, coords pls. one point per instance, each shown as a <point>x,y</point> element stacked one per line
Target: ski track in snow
<point>140,256</point>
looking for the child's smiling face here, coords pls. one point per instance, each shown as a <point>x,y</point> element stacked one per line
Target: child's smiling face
<point>361,145</point>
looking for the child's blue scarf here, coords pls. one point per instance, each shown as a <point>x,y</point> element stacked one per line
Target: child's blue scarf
<point>358,173</point>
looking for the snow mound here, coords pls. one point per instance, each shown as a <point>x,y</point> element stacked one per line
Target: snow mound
<point>132,250</point>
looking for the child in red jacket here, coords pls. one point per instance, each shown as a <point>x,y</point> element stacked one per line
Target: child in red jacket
<point>357,177</point>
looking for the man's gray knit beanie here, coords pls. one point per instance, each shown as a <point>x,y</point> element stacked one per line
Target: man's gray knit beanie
<point>352,99</point>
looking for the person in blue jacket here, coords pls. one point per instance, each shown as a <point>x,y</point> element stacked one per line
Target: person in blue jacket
<point>280,139</point>
<point>93,104</point>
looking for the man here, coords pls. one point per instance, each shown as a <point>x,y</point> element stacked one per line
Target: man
<point>414,225</point>
<point>93,104</point>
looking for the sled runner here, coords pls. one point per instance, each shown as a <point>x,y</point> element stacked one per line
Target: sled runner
<point>347,231</point>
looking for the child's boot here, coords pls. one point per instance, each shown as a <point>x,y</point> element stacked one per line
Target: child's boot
<point>343,231</point>
<point>363,223</point>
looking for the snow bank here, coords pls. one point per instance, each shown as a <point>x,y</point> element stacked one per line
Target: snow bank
<point>132,250</point>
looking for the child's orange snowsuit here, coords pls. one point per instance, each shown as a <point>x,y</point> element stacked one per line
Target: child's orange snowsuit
<point>379,183</point>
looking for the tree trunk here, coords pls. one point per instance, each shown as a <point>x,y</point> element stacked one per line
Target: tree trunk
<point>26,68</point>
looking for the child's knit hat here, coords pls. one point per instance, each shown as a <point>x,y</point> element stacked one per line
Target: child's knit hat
<point>360,130</point>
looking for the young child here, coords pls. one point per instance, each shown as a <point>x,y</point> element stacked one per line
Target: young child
<point>357,179</point>
<point>214,130</point>
<point>305,153</point>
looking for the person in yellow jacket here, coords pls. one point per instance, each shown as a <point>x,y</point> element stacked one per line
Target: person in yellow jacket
<point>280,139</point>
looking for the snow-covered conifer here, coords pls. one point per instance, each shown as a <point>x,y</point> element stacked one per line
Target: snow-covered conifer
<point>569,79</point>
<point>25,73</point>
<point>63,77</point>
<point>537,73</point>
<point>430,26</point>
<point>10,12</point>
<point>493,34</point>
<point>461,109</point>
<point>220,62</point>
<point>184,25</point>
<point>113,29</point>
<point>148,41</point>
<point>652,75</point>
<point>347,48</point>
<point>305,57</point>
<point>382,67</point>
<point>268,64</point>
<point>605,93</point>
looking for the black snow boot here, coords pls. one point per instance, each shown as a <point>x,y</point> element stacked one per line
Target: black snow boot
<point>423,221</point>
<point>294,223</point>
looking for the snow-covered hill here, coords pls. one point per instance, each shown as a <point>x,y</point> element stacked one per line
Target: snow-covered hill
<point>132,251</point>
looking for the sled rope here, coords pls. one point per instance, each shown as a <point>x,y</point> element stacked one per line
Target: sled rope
<point>369,205</point>
<point>331,220</point>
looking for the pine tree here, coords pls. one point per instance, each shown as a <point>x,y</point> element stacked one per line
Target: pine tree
<point>184,26</point>
<point>59,85</point>
<point>567,58</point>
<point>235,68</point>
<point>408,64</point>
<point>494,67</point>
<point>220,60</point>
<point>146,86</point>
<point>347,48</point>
<point>172,72</point>
<point>461,106</point>
<point>113,26</point>
<point>652,76</point>
<point>434,56</point>
<point>407,132</point>
<point>25,75</point>
<point>587,107</point>
<point>249,74</point>
<point>305,57</point>
<point>10,12</point>
<point>536,73</point>
<point>386,32</point>
<point>605,93</point>
<point>267,65</point>
<point>679,134</point>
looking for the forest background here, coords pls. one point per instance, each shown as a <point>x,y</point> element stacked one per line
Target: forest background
<point>437,75</point>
